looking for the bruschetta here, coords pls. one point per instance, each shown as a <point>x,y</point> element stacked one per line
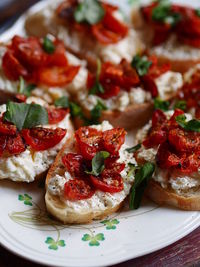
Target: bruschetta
<point>90,29</point>
<point>171,141</point>
<point>89,178</point>
<point>171,32</point>
<point>31,134</point>
<point>123,93</point>
<point>40,67</point>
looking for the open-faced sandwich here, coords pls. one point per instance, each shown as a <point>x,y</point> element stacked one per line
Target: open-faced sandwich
<point>40,67</point>
<point>124,92</point>
<point>91,176</point>
<point>171,32</point>
<point>90,29</point>
<point>172,142</point>
<point>31,134</point>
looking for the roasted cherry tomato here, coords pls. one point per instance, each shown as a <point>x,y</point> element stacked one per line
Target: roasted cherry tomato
<point>108,182</point>
<point>56,115</point>
<point>78,189</point>
<point>158,118</point>
<point>15,145</point>
<point>7,128</point>
<point>88,142</point>
<point>57,76</point>
<point>112,164</point>
<point>3,141</point>
<point>58,57</point>
<point>113,140</point>
<point>150,85</point>
<point>40,139</point>
<point>74,164</point>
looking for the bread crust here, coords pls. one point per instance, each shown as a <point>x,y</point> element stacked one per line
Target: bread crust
<point>5,96</point>
<point>163,196</point>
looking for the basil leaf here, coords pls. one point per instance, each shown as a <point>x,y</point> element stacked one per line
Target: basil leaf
<point>161,104</point>
<point>198,12</point>
<point>48,45</point>
<point>90,11</point>
<point>62,102</point>
<point>141,64</point>
<point>181,105</point>
<point>96,112</point>
<point>132,169</point>
<point>97,88</point>
<point>192,125</point>
<point>25,116</point>
<point>163,13</point>
<point>98,163</point>
<point>142,178</point>
<point>134,148</point>
<point>75,110</point>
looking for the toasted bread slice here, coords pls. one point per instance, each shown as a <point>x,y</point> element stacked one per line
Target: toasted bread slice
<point>181,57</point>
<point>163,196</point>
<point>97,207</point>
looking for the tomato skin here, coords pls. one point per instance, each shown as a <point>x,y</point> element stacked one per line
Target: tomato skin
<point>74,164</point>
<point>58,58</point>
<point>7,128</point>
<point>3,141</point>
<point>108,182</point>
<point>88,142</point>
<point>150,85</point>
<point>78,189</point>
<point>112,164</point>
<point>15,145</point>
<point>158,117</point>
<point>40,139</point>
<point>56,115</point>
<point>57,76</point>
<point>12,67</point>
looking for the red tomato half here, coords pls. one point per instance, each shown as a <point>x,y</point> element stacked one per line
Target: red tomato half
<point>74,164</point>
<point>113,140</point>
<point>78,189</point>
<point>104,36</point>
<point>7,128</point>
<point>109,182</point>
<point>56,115</point>
<point>15,145</point>
<point>88,142</point>
<point>40,139</point>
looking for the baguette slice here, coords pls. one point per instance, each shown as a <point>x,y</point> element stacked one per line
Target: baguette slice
<point>162,196</point>
<point>83,213</point>
<point>181,57</point>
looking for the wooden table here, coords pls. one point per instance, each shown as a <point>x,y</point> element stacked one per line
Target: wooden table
<point>185,252</point>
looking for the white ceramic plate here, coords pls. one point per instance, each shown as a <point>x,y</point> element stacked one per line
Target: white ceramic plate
<point>27,230</point>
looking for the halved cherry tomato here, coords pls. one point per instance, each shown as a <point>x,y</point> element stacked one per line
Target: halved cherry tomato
<point>190,164</point>
<point>40,139</point>
<point>7,128</point>
<point>3,141</point>
<point>56,115</point>
<point>12,67</point>
<point>156,137</point>
<point>15,145</point>
<point>150,85</point>
<point>57,76</point>
<point>112,164</point>
<point>113,140</point>
<point>195,42</point>
<point>88,141</point>
<point>108,182</point>
<point>58,58</point>
<point>74,164</point>
<point>158,118</point>
<point>172,120</point>
<point>78,189</point>
<point>105,36</point>
<point>109,91</point>
<point>20,98</point>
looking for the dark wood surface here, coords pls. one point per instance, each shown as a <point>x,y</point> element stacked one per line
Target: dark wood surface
<point>185,252</point>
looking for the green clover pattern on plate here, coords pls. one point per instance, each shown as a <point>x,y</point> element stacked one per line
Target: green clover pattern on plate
<point>94,239</point>
<point>110,224</point>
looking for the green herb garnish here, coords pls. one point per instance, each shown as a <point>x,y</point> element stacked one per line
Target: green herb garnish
<point>181,105</point>
<point>141,64</point>
<point>97,88</point>
<point>161,104</point>
<point>96,112</point>
<point>62,102</point>
<point>25,90</point>
<point>25,116</point>
<point>89,11</point>
<point>142,178</point>
<point>134,148</point>
<point>132,169</point>
<point>192,125</point>
<point>198,12</point>
<point>98,163</point>
<point>48,45</point>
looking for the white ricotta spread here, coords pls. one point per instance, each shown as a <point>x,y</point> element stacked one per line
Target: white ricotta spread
<point>175,50</point>
<point>100,200</point>
<point>27,165</point>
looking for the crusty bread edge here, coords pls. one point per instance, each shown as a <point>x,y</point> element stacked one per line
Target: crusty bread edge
<point>163,196</point>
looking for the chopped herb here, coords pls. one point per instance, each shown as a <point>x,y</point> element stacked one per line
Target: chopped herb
<point>134,148</point>
<point>48,45</point>
<point>181,105</point>
<point>132,169</point>
<point>161,104</point>
<point>97,88</point>
<point>142,178</point>
<point>141,64</point>
<point>192,125</point>
<point>75,110</point>
<point>98,163</point>
<point>25,90</point>
<point>25,116</point>
<point>90,11</point>
<point>62,102</point>
<point>163,13</point>
<point>198,12</point>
